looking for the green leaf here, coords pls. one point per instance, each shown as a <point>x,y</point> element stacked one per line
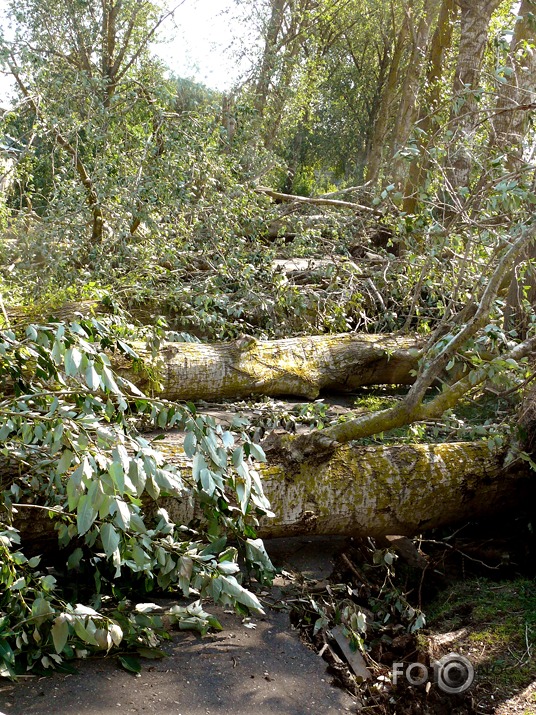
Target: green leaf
<point>207,483</point>
<point>73,359</point>
<point>84,633</point>
<point>74,559</point>
<point>228,567</point>
<point>198,464</point>
<point>130,663</point>
<point>122,515</point>
<point>152,488</point>
<point>116,633</point>
<point>18,584</point>
<point>31,332</point>
<point>86,514</point>
<point>152,653</point>
<point>215,547</point>
<point>41,610</point>
<point>238,456</point>
<point>115,470</point>
<point>92,376</point>
<point>232,588</point>
<point>257,452</point>
<point>109,538</point>
<point>57,352</point>
<point>64,463</point>
<point>139,556</point>
<point>108,381</point>
<point>137,476</point>
<point>190,444</point>
<point>162,418</point>
<point>256,553</point>
<point>6,652</point>
<point>48,583</point>
<point>227,439</point>
<point>169,482</point>
<point>126,348</point>
<point>60,632</point>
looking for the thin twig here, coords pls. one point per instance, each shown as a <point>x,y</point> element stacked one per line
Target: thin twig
<point>4,313</point>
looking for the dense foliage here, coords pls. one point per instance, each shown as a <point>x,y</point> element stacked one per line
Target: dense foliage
<point>142,194</point>
<point>72,453</point>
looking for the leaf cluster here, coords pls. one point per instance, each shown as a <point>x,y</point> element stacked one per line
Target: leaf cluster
<point>71,453</point>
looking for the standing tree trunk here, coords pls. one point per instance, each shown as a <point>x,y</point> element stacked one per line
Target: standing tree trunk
<point>388,99</point>
<point>269,56</point>
<point>427,122</point>
<point>515,96</point>
<point>509,126</point>
<point>407,111</point>
<point>475,20</point>
<point>286,66</point>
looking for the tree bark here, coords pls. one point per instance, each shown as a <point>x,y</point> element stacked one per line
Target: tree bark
<point>388,98</point>
<point>475,19</point>
<point>408,108</point>
<point>293,366</point>
<point>428,122</point>
<point>509,127</point>
<point>269,57</point>
<point>402,489</point>
<point>316,201</point>
<point>356,491</point>
<point>515,96</point>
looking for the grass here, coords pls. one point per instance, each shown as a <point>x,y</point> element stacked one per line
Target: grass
<point>499,622</point>
<point>474,418</point>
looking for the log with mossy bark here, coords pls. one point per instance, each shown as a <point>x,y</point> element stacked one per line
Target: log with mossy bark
<point>354,491</point>
<point>301,367</point>
<point>378,490</point>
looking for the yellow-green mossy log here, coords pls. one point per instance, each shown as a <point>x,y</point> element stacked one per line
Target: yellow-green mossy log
<point>379,490</point>
<point>356,491</point>
<point>293,366</point>
<point>24,315</point>
<point>299,367</point>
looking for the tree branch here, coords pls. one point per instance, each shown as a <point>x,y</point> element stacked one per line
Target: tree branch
<point>93,199</point>
<point>319,201</point>
<point>411,408</point>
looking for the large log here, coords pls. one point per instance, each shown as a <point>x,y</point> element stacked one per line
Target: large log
<point>379,490</point>
<point>356,491</point>
<point>299,367</point>
<point>293,366</point>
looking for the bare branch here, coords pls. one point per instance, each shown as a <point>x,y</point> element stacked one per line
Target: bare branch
<point>319,201</point>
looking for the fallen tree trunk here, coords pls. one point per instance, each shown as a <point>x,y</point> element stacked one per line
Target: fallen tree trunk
<point>356,491</point>
<point>380,490</point>
<point>293,366</point>
<point>16,315</point>
<point>299,367</point>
